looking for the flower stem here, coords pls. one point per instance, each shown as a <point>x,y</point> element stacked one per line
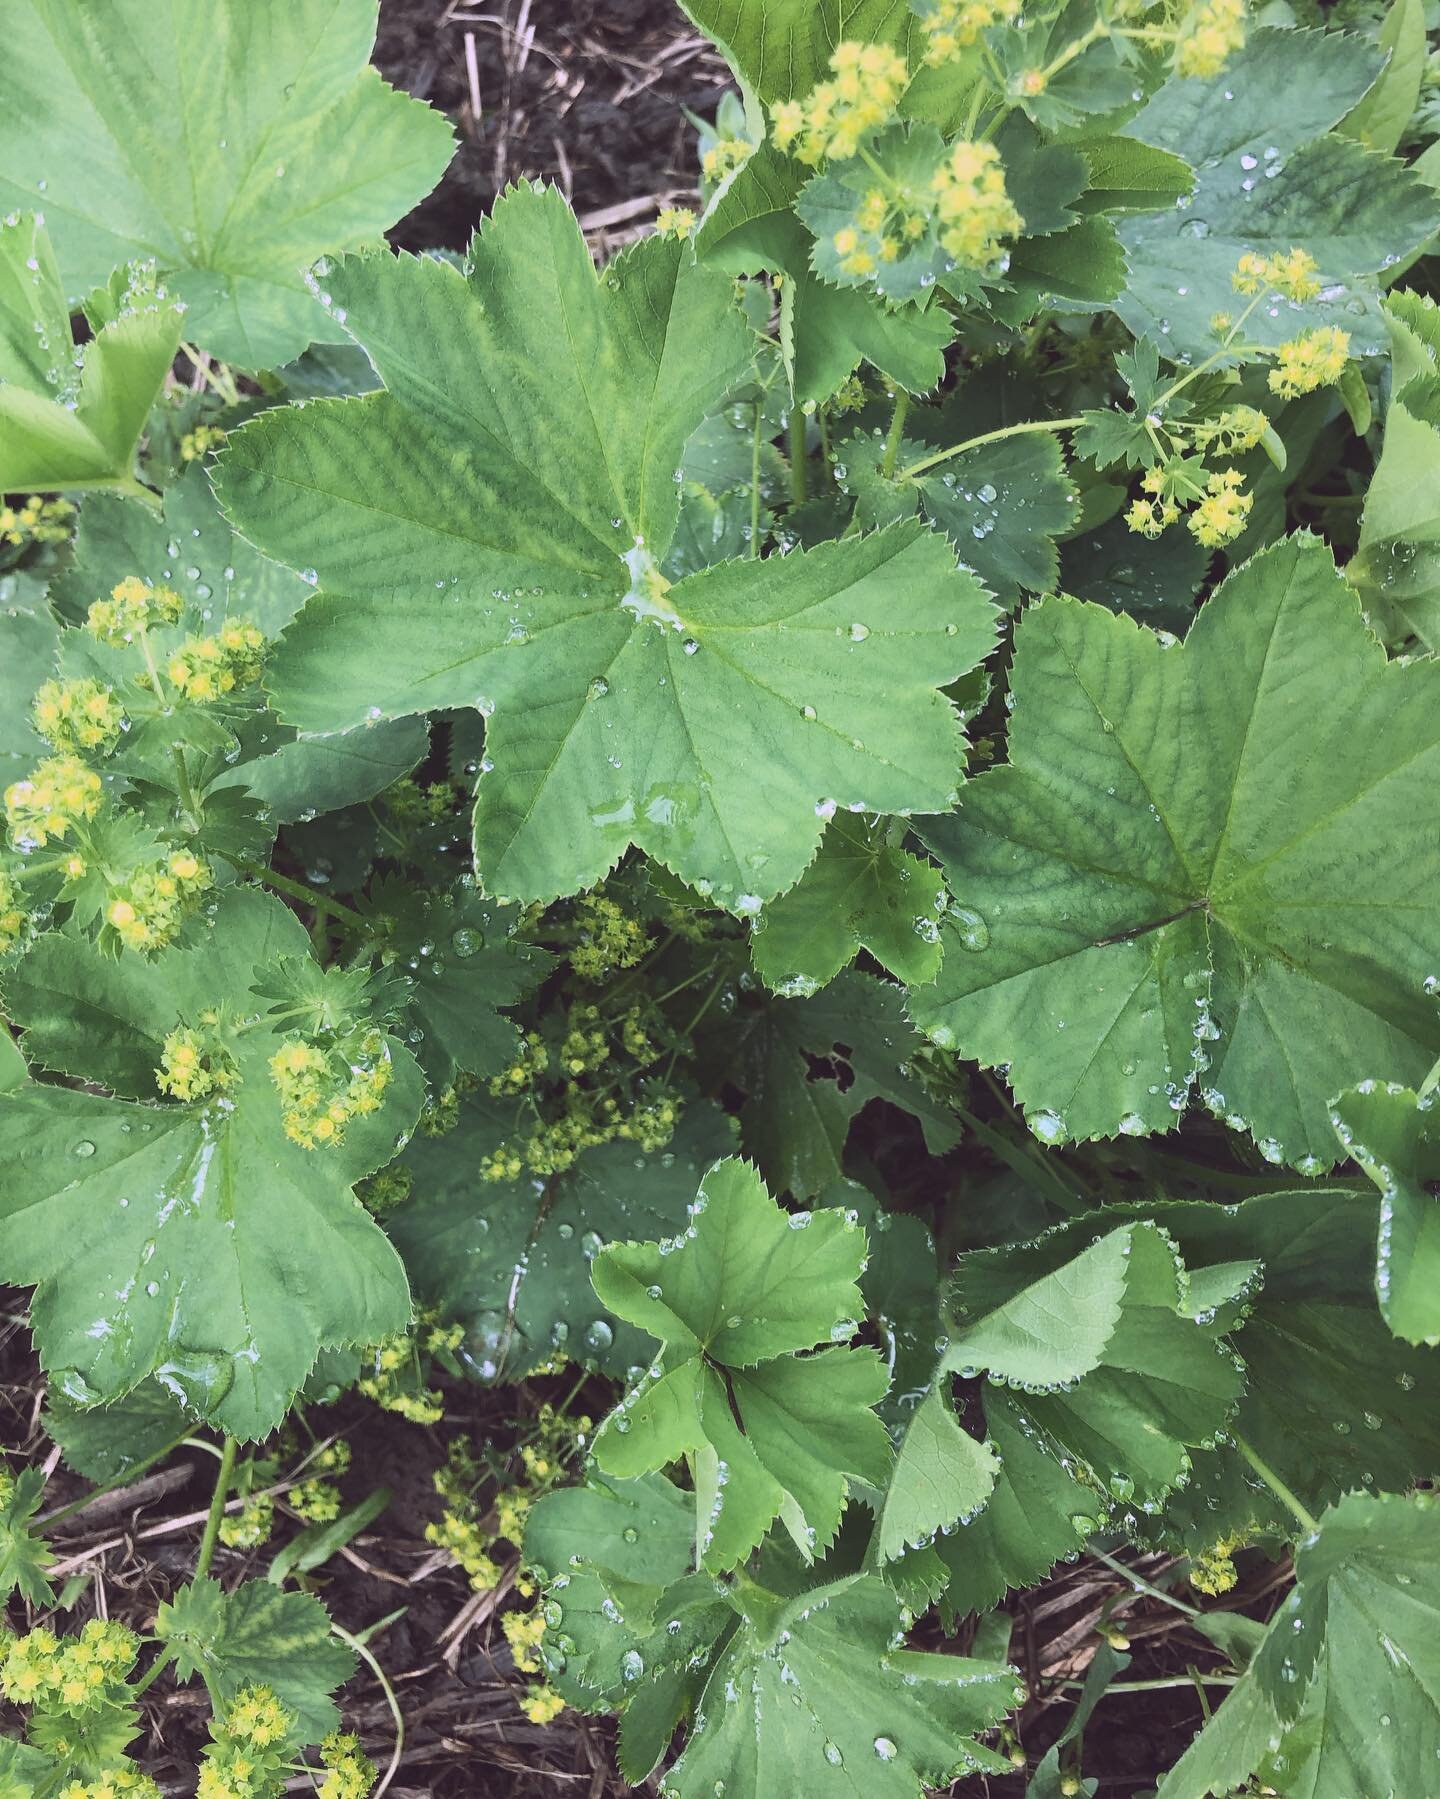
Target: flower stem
<point>989,437</point>
<point>799,473</point>
<point>217,1508</point>
<point>1277,1486</point>
<point>897,428</point>
<point>297,890</point>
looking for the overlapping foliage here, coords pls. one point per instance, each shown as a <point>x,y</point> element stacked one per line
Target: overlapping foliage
<point>862,781</point>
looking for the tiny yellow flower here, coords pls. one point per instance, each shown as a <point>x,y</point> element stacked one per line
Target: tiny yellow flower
<point>1313,359</point>
<point>1210,35</point>
<point>1220,516</point>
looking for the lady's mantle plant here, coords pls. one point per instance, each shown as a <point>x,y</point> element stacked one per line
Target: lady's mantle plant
<point>562,813</point>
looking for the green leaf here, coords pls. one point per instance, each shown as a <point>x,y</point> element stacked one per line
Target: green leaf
<point>942,1476</point>
<point>258,1635</point>
<point>460,963</point>
<point>807,1067</point>
<point>31,636</point>
<point>733,1300</point>
<point>1396,564</point>
<point>609,727</point>
<point>1332,1399</point>
<point>1347,1672</point>
<point>1197,864</point>
<point>1124,1389</point>
<point>1390,1133</point>
<point>24,1554</point>
<point>24,1771</point>
<point>1038,1512</point>
<point>638,1532</point>
<point>186,1240</point>
<point>870,1717</point>
<point>781,48</point>
<point>1043,1332</point>
<point>188,547</point>
<point>861,892</point>
<point>231,141</point>
<point>106,1443</point>
<point>1380,120</point>
<point>513,1264</point>
<point>1267,180</point>
<point>68,418</point>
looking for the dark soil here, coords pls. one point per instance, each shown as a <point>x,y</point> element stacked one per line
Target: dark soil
<point>586,93</point>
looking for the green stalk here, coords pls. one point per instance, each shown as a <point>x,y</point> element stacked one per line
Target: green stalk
<point>1287,1498</point>
<point>217,1508</point>
<point>989,437</point>
<point>897,428</point>
<point>297,890</point>
<point>798,470</point>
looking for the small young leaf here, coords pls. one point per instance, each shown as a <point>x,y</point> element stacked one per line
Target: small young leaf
<point>258,1634</point>
<point>733,1300</point>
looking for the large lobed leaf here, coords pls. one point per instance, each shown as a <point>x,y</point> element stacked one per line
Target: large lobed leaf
<point>230,141</point>
<point>488,532</point>
<point>1206,866</point>
<point>196,1242</point>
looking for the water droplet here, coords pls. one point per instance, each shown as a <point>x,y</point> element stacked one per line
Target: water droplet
<point>598,1336</point>
<point>885,1748</point>
<point>859,632</point>
<point>970,928</point>
<point>465,942</point>
<point>84,1147</point>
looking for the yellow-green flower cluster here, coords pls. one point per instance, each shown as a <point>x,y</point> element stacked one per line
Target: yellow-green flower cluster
<point>973,209</point>
<point>867,80</point>
<point>134,606</point>
<point>37,521</point>
<point>884,225</point>
<point>524,1632</point>
<point>251,1525</point>
<point>725,154</point>
<point>321,1090</point>
<point>194,1063</point>
<point>207,668</point>
<point>1295,274</point>
<point>12,912</point>
<point>350,1773</point>
<point>114,1783</point>
<point>317,1498</point>
<point>53,798</point>
<point>608,937</point>
<point>78,716</point>
<point>245,1756</point>
<point>1211,34</point>
<point>531,1060</point>
<point>1232,432</point>
<point>74,1675</point>
<point>472,1537</point>
<point>393,1382</point>
<point>586,1045</point>
<point>1213,1571</point>
<point>1313,359</point>
<point>408,803</point>
<point>542,1705</point>
<point>951,25</point>
<point>383,1192</point>
<point>199,442</point>
<point>147,909</point>
<point>674,221</point>
<point>1220,515</point>
<point>441,1111</point>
